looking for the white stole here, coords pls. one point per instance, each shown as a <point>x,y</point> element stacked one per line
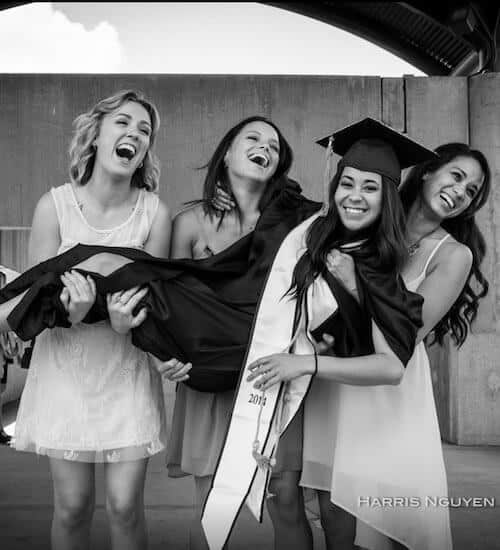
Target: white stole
<point>238,479</point>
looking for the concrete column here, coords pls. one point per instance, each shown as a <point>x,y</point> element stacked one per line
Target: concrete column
<point>476,372</point>
<point>468,380</point>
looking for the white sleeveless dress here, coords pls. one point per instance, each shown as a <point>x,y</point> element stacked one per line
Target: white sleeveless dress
<point>90,395</point>
<point>383,443</point>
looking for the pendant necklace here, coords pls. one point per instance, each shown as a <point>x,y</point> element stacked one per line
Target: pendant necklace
<point>413,247</point>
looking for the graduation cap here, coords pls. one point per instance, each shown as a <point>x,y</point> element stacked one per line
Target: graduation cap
<point>372,146</point>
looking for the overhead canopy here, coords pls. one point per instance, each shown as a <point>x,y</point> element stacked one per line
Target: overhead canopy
<point>439,38</point>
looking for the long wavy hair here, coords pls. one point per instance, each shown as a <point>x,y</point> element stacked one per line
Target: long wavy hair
<point>386,237</point>
<point>217,172</point>
<point>86,129</point>
<point>464,229</point>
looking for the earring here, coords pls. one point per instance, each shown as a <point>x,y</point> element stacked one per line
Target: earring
<point>141,165</point>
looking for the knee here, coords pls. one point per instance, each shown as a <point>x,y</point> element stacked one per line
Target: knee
<point>73,511</point>
<point>123,510</point>
<point>285,490</point>
<point>286,501</point>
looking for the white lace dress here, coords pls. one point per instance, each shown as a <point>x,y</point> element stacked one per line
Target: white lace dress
<point>90,395</point>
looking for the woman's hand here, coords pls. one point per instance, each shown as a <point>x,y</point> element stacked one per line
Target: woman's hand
<point>341,266</point>
<point>174,370</point>
<point>281,367</point>
<point>78,295</point>
<point>222,201</point>
<point>121,306</point>
<point>325,347</point>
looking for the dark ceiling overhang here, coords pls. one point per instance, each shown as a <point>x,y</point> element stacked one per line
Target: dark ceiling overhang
<point>439,38</point>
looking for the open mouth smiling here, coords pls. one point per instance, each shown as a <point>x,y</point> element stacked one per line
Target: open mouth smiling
<point>260,159</point>
<point>447,200</point>
<point>354,210</point>
<point>126,151</point>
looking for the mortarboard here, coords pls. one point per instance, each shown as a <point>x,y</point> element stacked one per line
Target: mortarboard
<point>372,146</point>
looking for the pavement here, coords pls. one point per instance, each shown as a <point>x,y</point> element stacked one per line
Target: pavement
<point>26,503</point>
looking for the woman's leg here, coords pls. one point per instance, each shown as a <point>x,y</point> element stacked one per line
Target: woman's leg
<point>287,512</point>
<point>339,526</point>
<point>5,439</point>
<point>74,500</point>
<point>197,539</point>
<point>1,407</point>
<point>124,483</point>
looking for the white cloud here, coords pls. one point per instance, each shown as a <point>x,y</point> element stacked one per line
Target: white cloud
<point>38,39</point>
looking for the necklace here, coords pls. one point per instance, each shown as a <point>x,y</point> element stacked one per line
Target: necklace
<point>413,247</point>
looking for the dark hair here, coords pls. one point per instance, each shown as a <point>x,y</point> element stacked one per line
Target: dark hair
<point>217,174</point>
<point>386,237</point>
<point>464,229</point>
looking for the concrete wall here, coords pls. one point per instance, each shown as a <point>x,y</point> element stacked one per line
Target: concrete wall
<point>36,114</point>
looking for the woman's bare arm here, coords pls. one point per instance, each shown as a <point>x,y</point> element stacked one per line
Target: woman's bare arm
<point>45,238</point>
<point>43,244</point>
<point>447,276</point>
<point>185,230</point>
<point>380,368</point>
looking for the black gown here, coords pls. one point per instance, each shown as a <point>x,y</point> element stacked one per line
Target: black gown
<point>202,311</point>
<point>199,311</point>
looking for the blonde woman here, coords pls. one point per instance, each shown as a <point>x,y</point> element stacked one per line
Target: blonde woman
<point>90,395</point>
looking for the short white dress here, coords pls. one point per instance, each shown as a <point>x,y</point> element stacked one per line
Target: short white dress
<point>90,395</point>
<point>378,451</point>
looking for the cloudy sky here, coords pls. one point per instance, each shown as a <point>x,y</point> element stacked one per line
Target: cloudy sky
<point>189,37</point>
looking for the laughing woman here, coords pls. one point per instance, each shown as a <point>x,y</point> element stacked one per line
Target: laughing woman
<point>90,395</point>
<point>446,249</point>
<point>383,441</point>
<point>248,163</point>
<point>363,217</point>
<point>199,307</point>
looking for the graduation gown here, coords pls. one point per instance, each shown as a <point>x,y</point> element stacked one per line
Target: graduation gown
<point>202,311</point>
<point>199,311</point>
<point>258,419</point>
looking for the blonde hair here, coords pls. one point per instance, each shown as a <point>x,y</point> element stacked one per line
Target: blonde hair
<point>86,129</point>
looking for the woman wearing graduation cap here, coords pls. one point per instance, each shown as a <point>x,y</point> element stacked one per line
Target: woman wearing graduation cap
<point>401,458</point>
<point>366,444</point>
<point>387,438</point>
<point>373,341</point>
